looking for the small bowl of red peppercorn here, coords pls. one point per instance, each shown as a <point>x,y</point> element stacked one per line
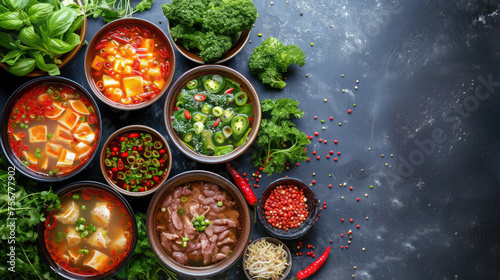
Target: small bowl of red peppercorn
<point>288,209</point>
<point>136,160</point>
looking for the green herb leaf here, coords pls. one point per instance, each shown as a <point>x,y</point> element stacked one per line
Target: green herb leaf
<point>74,26</point>
<point>59,46</point>
<point>3,9</point>
<point>39,12</point>
<point>144,5</point>
<point>15,5</point>
<point>6,40</point>
<point>29,37</point>
<point>22,66</point>
<point>60,21</point>
<point>11,57</point>
<point>11,21</point>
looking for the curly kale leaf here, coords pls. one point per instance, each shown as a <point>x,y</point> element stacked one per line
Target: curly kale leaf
<point>272,58</point>
<point>230,16</point>
<point>188,12</point>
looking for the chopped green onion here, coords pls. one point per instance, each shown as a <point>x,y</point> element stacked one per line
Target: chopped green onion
<point>184,199</point>
<point>158,145</point>
<point>185,239</point>
<point>83,251</point>
<point>184,244</point>
<point>219,203</point>
<point>163,209</point>
<point>75,196</point>
<point>84,207</point>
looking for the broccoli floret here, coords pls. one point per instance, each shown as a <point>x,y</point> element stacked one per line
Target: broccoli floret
<point>230,16</point>
<point>211,46</point>
<point>188,12</point>
<point>273,58</point>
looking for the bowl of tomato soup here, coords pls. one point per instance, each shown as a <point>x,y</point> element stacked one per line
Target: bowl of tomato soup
<point>92,235</point>
<point>136,160</point>
<point>50,129</point>
<point>129,63</point>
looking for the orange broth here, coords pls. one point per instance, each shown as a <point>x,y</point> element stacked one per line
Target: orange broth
<point>130,65</point>
<point>53,129</point>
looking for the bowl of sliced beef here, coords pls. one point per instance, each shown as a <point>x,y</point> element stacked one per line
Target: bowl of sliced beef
<point>198,224</point>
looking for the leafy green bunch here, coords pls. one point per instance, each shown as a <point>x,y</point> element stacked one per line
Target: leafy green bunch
<point>28,206</point>
<point>110,10</point>
<point>272,58</point>
<point>279,141</point>
<point>144,264</point>
<point>36,33</point>
<point>209,26</point>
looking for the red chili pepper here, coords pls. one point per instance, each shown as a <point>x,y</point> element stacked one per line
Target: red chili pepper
<point>136,64</point>
<point>187,115</point>
<point>176,108</point>
<point>101,44</point>
<point>229,90</point>
<point>120,164</point>
<point>124,154</point>
<point>199,97</point>
<point>114,169</point>
<point>142,189</point>
<point>119,39</point>
<point>22,135</point>
<point>137,73</point>
<point>156,179</point>
<point>162,151</point>
<point>92,118</point>
<point>141,50</point>
<point>244,188</point>
<point>147,95</point>
<point>217,122</point>
<point>39,90</point>
<point>163,53</point>
<point>133,135</point>
<point>50,224</point>
<point>138,39</point>
<point>250,120</point>
<point>310,270</point>
<point>100,85</point>
<point>142,55</point>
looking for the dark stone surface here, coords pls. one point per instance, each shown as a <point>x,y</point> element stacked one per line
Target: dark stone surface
<point>423,69</point>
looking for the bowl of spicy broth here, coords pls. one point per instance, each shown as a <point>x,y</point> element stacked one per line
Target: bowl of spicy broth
<point>129,63</point>
<point>92,236</point>
<point>135,160</point>
<point>50,129</point>
<point>212,114</point>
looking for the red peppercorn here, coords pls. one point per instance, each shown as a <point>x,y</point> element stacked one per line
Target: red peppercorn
<point>314,181</point>
<point>314,152</point>
<point>327,156</point>
<point>335,159</point>
<point>341,235</point>
<point>358,226</point>
<point>324,141</point>
<point>338,153</point>
<point>315,117</point>
<point>320,140</point>
<point>330,186</point>
<point>308,159</point>
<point>115,149</point>
<point>318,157</point>
<point>341,247</point>
<point>316,133</point>
<point>351,220</point>
<point>347,246</point>
<point>244,174</point>
<point>331,152</point>
<point>342,220</point>
<point>351,188</point>
<point>310,137</point>
<point>297,164</point>
<point>335,141</point>
<point>357,199</point>
<point>257,180</point>
<point>349,111</point>
<point>331,118</point>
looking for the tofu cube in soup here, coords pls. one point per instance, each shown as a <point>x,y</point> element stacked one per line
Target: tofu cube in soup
<point>99,238</point>
<point>101,214</point>
<point>96,260</point>
<point>70,214</point>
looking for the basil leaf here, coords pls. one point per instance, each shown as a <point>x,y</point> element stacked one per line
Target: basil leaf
<point>22,66</point>
<point>11,20</point>
<point>15,5</point>
<point>60,21</point>
<point>11,57</point>
<point>6,40</point>
<point>39,12</point>
<point>59,46</point>
<point>73,39</point>
<point>52,69</point>
<point>29,37</point>
<point>76,24</point>
<point>3,9</point>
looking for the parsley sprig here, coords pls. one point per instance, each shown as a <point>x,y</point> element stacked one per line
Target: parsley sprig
<point>279,141</point>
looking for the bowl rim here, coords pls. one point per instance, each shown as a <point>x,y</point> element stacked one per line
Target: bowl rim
<point>134,128</point>
<point>123,22</point>
<point>42,249</point>
<point>313,211</point>
<point>277,242</point>
<point>67,56</point>
<point>5,118</point>
<point>242,39</point>
<point>174,91</point>
<point>166,188</point>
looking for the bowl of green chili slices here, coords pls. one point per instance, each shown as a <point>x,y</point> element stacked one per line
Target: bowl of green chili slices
<point>37,39</point>
<point>135,160</point>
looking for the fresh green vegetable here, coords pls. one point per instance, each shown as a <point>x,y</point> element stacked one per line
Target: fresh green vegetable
<point>144,257</point>
<point>279,142</point>
<point>24,199</point>
<point>272,58</point>
<point>209,26</point>
<point>36,34</point>
<point>110,10</point>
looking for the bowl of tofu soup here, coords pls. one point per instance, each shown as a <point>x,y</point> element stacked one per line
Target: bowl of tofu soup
<point>50,129</point>
<point>198,224</point>
<point>129,63</point>
<point>91,236</point>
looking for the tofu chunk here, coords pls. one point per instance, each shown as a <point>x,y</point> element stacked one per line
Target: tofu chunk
<point>96,260</point>
<point>70,215</point>
<point>101,214</point>
<point>133,86</point>
<point>73,237</point>
<point>99,238</point>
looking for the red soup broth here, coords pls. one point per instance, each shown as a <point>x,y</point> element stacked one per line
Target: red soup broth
<point>91,234</point>
<point>53,129</point>
<point>130,65</point>
<point>136,161</point>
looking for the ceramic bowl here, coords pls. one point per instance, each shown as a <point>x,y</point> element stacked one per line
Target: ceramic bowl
<point>153,234</point>
<point>171,101</point>
<point>277,242</point>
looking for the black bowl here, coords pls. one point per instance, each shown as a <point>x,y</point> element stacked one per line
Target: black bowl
<point>9,105</point>
<point>42,248</point>
<point>312,208</point>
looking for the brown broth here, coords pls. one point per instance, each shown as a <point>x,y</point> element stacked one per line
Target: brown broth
<point>113,239</point>
<point>183,207</point>
<point>62,129</point>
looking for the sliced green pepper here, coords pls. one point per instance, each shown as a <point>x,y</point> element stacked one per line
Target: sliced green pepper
<point>239,125</point>
<point>240,98</point>
<point>213,83</point>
